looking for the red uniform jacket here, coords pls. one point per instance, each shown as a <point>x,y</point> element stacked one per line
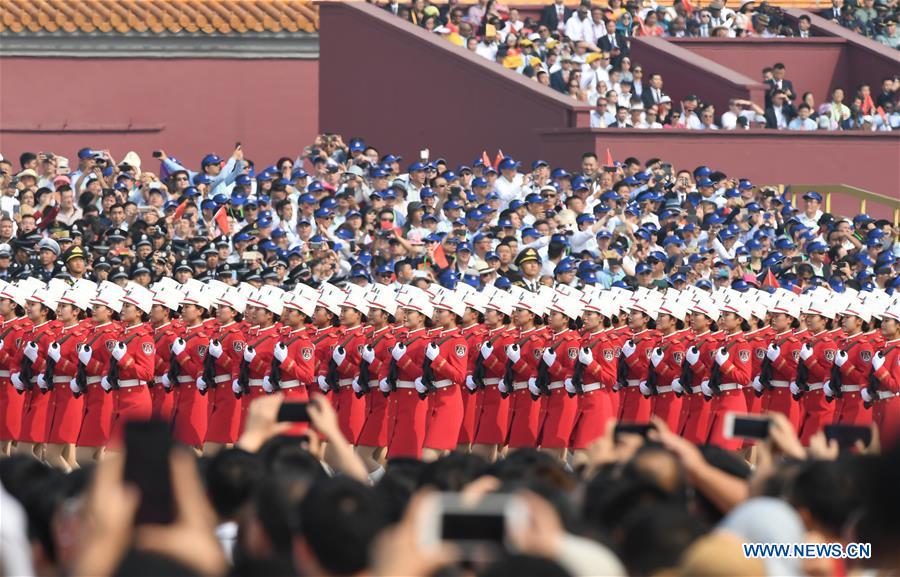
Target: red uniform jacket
<point>738,368</point>
<point>708,343</point>
<point>191,358</point>
<point>784,368</point>
<point>858,365</point>
<point>565,345</point>
<point>11,335</point>
<point>475,336</point>
<point>452,361</point>
<point>300,362</point>
<point>323,340</point>
<point>495,365</point>
<point>352,340</point>
<point>819,364</point>
<point>669,369</point>
<point>531,347</point>
<point>382,341</point>
<point>42,334</point>
<point>69,339</point>
<point>409,367</point>
<point>889,374</point>
<point>231,337</point>
<point>263,344</point>
<point>101,341</point>
<point>759,342</point>
<point>139,361</point>
<point>605,347</point>
<point>163,336</point>
<point>638,363</point>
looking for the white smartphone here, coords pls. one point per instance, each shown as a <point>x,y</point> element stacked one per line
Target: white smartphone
<point>477,529</point>
<point>424,154</point>
<point>738,426</point>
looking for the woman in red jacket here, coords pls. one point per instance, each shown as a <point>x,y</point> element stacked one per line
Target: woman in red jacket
<point>67,410</point>
<point>521,369</point>
<point>735,369</point>
<point>15,324</point>
<point>559,358</point>
<point>189,419</point>
<point>447,357</point>
<point>293,359</point>
<point>132,364</point>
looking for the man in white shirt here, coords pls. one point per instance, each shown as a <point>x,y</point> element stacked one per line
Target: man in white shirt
<point>803,121</point>
<point>509,184</point>
<point>738,108</point>
<point>601,117</point>
<point>811,214</point>
<point>578,23</point>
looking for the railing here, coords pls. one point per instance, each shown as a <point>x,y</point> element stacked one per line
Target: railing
<point>827,190</point>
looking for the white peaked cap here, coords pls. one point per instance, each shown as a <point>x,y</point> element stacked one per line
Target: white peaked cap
<point>330,299</point>
<point>246,289</point>
<point>474,299</point>
<point>309,292</point>
<point>787,303</point>
<point>166,282</point>
<point>893,310</point>
<point>140,297</point>
<point>233,298</point>
<point>416,299</point>
<point>303,302</point>
<point>14,293</point>
<point>674,307</point>
<point>570,291</point>
<point>450,301</point>
<point>436,291</point>
<point>857,307</point>
<point>193,295</point>
<point>268,297</point>
<point>877,302</point>
<point>356,299</point>
<point>79,296</point>
<point>192,284</point>
<point>530,301</point>
<point>216,289</point>
<point>502,302</point>
<point>168,295</point>
<point>706,306</point>
<point>109,295</point>
<point>85,285</point>
<point>380,296</point>
<point>760,305</point>
<point>30,284</point>
<point>49,296</point>
<point>567,305</point>
<point>738,305</point>
<point>647,302</point>
<point>821,305</point>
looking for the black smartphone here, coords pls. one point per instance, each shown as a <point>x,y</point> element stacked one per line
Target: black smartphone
<point>633,428</point>
<point>847,435</point>
<point>293,413</point>
<point>147,449</point>
<point>746,426</point>
<point>157,154</point>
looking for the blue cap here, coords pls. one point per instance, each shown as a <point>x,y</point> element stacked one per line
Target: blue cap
<point>307,199</point>
<point>704,183</point>
<point>391,158</point>
<point>479,181</point>
<point>589,277</point>
<point>784,244</point>
<point>753,244</point>
<point>357,145</point>
<point>452,205</point>
<point>474,215</point>
<point>579,183</point>
<point>344,234</point>
<point>278,233</point>
<point>449,175</point>
<point>643,268</point>
<point>677,277</point>
<point>538,163</point>
<point>463,168</point>
<point>264,222</point>
<point>745,184</point>
<point>816,247</point>
<point>631,181</point>
<point>201,178</point>
<point>610,195</point>
<point>531,233</point>
<point>491,255</point>
<point>378,173</point>
<point>533,198</point>
<point>740,285</point>
<point>448,279</point>
<point>560,239</point>
<point>753,207</point>
<point>416,166</point>
<point>315,186</point>
<point>264,176</point>
<point>243,180</point>
<point>507,163</point>
<point>464,246</point>
<point>702,171</point>
<point>329,202</point>
<point>241,237</point>
<point>210,159</point>
<point>565,265</point>
<point>516,204</point>
<point>322,213</point>
<point>559,173</point>
<point>813,195</point>
<point>492,195</point>
<point>299,173</point>
<point>502,283</point>
<point>703,284</point>
<point>672,240</point>
<point>583,218</point>
<point>732,193</point>
<point>208,204</point>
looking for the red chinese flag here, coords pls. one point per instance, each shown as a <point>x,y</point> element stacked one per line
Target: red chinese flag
<point>221,218</point>
<point>688,7</point>
<point>770,280</point>
<point>609,158</point>
<point>485,158</point>
<point>497,159</point>
<point>439,258</point>
<point>179,210</point>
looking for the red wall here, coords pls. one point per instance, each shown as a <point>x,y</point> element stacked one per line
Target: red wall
<point>189,106</point>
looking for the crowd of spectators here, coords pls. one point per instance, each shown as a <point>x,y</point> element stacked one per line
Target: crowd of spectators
<point>585,53</point>
<point>876,19</point>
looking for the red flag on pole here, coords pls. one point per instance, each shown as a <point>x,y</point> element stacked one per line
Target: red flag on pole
<point>485,158</point>
<point>770,281</point>
<point>221,218</point>
<point>688,7</point>
<point>609,158</point>
<point>497,159</point>
<point>439,258</point>
<point>179,210</point>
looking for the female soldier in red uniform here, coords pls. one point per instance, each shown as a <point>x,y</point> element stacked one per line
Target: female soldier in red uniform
<point>67,410</point>
<point>523,356</point>
<point>266,305</point>
<point>782,355</point>
<point>493,410</point>
<point>735,372</point>
<point>560,357</point>
<point>189,418</point>
<point>132,364</point>
<point>472,329</point>
<point>15,324</point>
<point>326,321</point>
<point>226,350</point>
<point>93,358</point>
<point>447,356</point>
<point>293,360</point>
<point>345,355</point>
<point>817,354</point>
<point>635,408</point>
<point>695,410</point>
<point>854,362</point>
<point>759,337</point>
<point>166,328</point>
<point>885,394</point>
<point>406,429</point>
<point>666,360</point>
<point>380,339</point>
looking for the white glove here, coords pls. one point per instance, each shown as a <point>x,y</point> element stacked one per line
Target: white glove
<point>773,352</point>
<point>384,386</point>
<point>236,388</point>
<point>368,354</point>
<point>757,385</point>
<point>31,351</point>
<point>178,346</point>
<point>617,387</point>
<point>17,382</point>
<point>645,389</point>
<point>676,386</point>
<point>201,383</point>
<point>338,355</point>
<point>249,354</point>
<point>501,386</point>
<point>721,356</point>
<point>420,386</point>
<point>470,383</point>
<point>487,349</point>
<point>840,358</point>
<point>692,355</point>
<point>355,384</point>
<point>705,388</point>
<point>866,395</point>
<point>628,348</point>
<point>267,384</point>
<point>795,390</point>
<point>323,386</point>
<point>513,353</point>
<point>52,351</point>
<point>570,387</point>
<point>829,392</point>
<point>42,382</point>
<point>398,351</point>
<point>166,383</point>
<point>119,351</point>
<point>549,357</point>
<point>656,356</point>
<point>84,354</point>
<point>878,360</point>
<point>215,348</point>
<point>280,353</point>
<point>585,356</point>
<point>73,386</point>
<point>806,351</point>
<point>533,388</point>
<point>432,351</point>
<point>104,382</point>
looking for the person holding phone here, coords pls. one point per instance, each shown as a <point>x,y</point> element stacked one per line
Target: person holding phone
<point>166,327</point>
<point>853,362</point>
<point>132,363</point>
<point>15,325</point>
<point>226,350</point>
<point>93,360</point>
<point>523,356</point>
<point>732,372</point>
<point>189,419</point>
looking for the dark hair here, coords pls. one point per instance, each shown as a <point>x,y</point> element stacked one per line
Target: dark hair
<point>829,491</point>
<point>524,565</point>
<point>231,477</point>
<point>670,528</point>
<point>339,520</point>
<point>453,472</point>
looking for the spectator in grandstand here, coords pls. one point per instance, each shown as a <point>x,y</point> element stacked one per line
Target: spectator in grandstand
<point>803,120</point>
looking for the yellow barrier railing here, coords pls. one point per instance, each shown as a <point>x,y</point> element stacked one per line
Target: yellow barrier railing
<point>827,190</point>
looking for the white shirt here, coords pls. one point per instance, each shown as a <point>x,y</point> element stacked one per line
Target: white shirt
<point>507,190</point>
<point>575,28</point>
<point>779,117</point>
<point>803,124</point>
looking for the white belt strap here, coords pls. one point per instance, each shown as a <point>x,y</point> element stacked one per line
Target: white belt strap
<point>592,387</point>
<point>443,383</point>
<point>520,386</point>
<point>345,382</point>
<point>851,388</point>
<point>289,384</point>
<point>885,395</point>
<point>816,386</point>
<point>406,384</point>
<point>92,380</point>
<point>661,390</point>
<point>780,384</point>
<point>556,385</point>
<point>127,383</point>
<point>185,379</point>
<point>730,387</point>
<point>4,373</point>
<point>221,378</point>
<point>491,381</point>
<point>252,382</point>
<point>61,379</point>
<point>633,382</point>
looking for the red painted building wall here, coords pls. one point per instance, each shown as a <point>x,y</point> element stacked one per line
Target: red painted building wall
<point>190,106</point>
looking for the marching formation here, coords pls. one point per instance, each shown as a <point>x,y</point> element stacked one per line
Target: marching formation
<point>420,371</point>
